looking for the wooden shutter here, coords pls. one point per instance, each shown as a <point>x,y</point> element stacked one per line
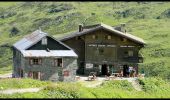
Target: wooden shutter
<point>39,75</point>
<point>31,61</point>
<point>39,61</point>
<point>55,62</point>
<point>66,73</point>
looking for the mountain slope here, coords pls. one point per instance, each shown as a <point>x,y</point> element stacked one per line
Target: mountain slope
<point>148,20</point>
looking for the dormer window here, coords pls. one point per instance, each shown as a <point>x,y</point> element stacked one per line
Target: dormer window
<point>44,41</point>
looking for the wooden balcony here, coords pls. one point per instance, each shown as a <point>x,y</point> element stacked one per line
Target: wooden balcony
<point>133,59</point>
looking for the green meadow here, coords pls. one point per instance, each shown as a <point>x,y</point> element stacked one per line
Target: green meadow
<point>147,20</point>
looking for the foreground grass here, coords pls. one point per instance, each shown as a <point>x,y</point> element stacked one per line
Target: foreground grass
<point>152,88</point>
<point>15,83</point>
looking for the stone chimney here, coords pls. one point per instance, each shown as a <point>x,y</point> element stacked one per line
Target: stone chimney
<point>122,25</point>
<point>80,27</point>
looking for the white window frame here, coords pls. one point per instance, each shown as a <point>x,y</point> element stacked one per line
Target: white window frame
<point>44,41</point>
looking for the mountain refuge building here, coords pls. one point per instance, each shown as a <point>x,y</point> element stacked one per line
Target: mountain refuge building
<point>98,48</point>
<point>105,49</point>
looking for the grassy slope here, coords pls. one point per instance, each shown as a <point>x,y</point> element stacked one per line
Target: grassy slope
<point>151,88</point>
<point>141,20</point>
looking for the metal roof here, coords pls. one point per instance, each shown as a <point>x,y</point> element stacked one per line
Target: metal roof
<point>51,53</point>
<point>106,27</point>
<point>29,40</point>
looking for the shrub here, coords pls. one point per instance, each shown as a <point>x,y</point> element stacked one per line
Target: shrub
<point>14,31</point>
<point>63,90</point>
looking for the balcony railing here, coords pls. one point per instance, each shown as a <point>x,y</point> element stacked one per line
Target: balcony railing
<point>133,59</point>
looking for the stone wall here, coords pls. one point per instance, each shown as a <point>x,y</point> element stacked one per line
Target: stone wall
<point>50,72</point>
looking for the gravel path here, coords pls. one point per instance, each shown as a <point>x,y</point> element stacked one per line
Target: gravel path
<point>11,91</point>
<point>133,81</point>
<point>135,84</point>
<point>94,85</point>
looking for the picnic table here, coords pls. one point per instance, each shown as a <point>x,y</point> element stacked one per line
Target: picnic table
<point>115,74</point>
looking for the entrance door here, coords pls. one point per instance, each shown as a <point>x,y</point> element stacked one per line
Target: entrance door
<point>104,69</point>
<point>125,70</point>
<point>20,72</point>
<point>35,75</point>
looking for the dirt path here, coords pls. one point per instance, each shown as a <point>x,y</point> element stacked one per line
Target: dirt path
<point>8,75</point>
<point>11,91</point>
<point>135,84</point>
<point>94,84</point>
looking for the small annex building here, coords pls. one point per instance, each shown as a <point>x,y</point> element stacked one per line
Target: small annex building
<point>40,56</point>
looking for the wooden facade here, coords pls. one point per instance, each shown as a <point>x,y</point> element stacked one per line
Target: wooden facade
<point>103,51</point>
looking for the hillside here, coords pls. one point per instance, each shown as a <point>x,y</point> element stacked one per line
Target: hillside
<point>151,88</point>
<point>148,20</point>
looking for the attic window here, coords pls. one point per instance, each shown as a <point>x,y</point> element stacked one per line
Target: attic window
<point>78,38</point>
<point>94,37</point>
<point>44,41</point>
<point>123,39</point>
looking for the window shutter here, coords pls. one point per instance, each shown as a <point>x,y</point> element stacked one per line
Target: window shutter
<point>39,74</point>
<point>31,61</point>
<point>56,62</point>
<point>53,62</point>
<point>66,73</point>
<point>39,61</point>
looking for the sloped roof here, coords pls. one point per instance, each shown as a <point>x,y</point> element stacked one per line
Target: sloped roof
<point>105,27</point>
<point>51,53</point>
<point>29,40</point>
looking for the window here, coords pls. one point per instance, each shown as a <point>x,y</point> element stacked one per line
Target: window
<point>78,38</point>
<point>58,62</point>
<point>35,61</point>
<point>101,50</point>
<point>94,37</point>
<point>108,37</point>
<point>95,66</point>
<point>66,73</point>
<point>130,53</point>
<point>123,39</point>
<point>44,41</point>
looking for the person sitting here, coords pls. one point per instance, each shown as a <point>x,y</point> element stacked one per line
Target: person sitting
<point>121,73</point>
<point>107,76</point>
<point>133,73</point>
<point>94,77</point>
